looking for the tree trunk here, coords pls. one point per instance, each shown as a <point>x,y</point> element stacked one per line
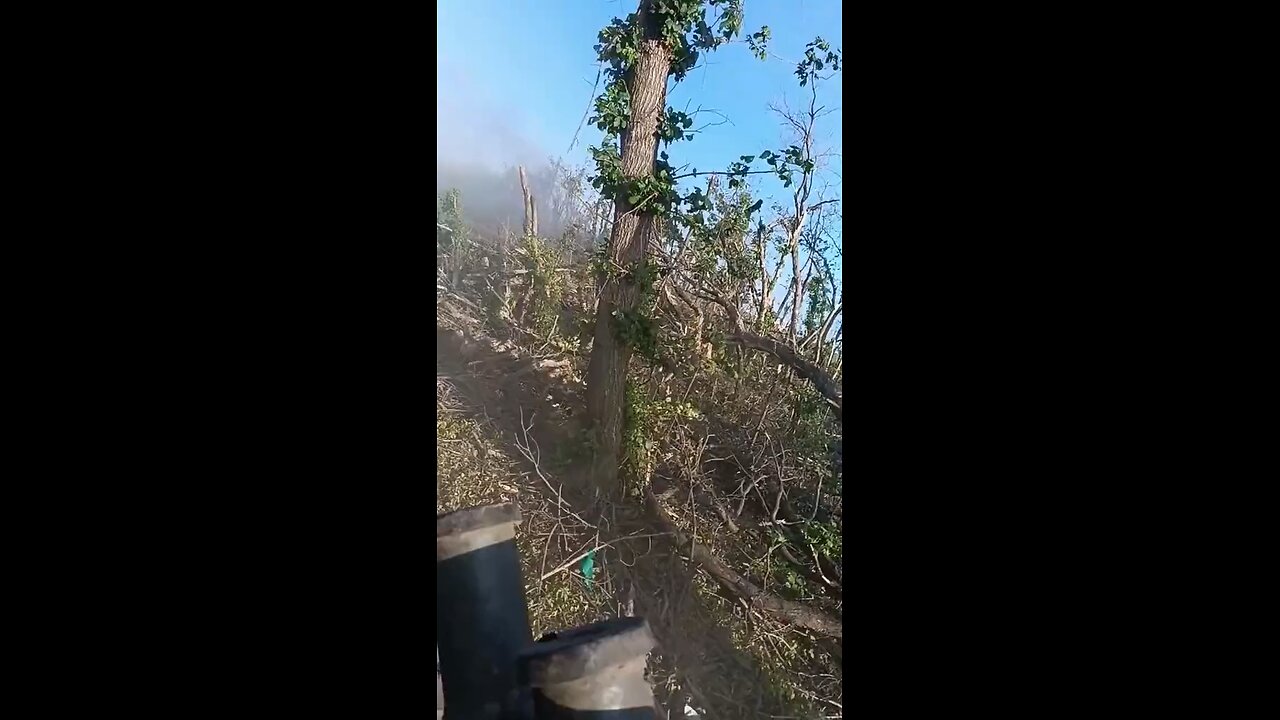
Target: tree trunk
<point>795,279</point>
<point>607,371</point>
<point>762,240</point>
<point>530,209</point>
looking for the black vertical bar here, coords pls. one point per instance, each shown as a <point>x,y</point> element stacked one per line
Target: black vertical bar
<point>482,622</point>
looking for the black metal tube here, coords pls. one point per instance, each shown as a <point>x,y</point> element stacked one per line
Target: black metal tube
<point>592,672</point>
<point>482,622</point>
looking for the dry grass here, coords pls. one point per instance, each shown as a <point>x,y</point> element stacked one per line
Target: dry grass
<point>713,653</point>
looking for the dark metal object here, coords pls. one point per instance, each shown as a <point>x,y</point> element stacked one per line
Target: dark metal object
<point>595,671</point>
<point>481,620</point>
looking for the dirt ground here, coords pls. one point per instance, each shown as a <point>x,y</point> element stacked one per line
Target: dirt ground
<point>507,431</point>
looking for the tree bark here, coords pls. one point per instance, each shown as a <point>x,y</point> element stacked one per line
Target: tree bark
<point>628,241</point>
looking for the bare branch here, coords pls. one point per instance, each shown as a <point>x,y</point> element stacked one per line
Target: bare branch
<point>785,610</point>
<point>803,367</point>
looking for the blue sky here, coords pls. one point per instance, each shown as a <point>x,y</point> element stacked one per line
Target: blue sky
<point>515,77</point>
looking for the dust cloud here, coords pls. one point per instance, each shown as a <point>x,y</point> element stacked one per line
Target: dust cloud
<point>479,143</point>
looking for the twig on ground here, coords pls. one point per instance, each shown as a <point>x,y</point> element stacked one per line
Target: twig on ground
<point>547,546</point>
<point>599,546</point>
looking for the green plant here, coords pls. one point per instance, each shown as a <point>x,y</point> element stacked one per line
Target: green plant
<point>825,538</point>
<point>454,232</point>
<point>644,415</point>
<point>544,284</point>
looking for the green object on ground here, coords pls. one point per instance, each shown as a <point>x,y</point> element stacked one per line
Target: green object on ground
<point>589,567</point>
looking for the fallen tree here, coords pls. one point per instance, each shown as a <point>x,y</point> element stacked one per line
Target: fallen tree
<point>784,610</point>
<point>780,349</point>
<point>803,367</point>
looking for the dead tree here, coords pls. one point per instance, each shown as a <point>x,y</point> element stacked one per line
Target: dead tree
<point>530,208</point>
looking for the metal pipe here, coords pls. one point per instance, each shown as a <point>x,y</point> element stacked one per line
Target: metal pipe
<point>481,620</point>
<point>595,671</point>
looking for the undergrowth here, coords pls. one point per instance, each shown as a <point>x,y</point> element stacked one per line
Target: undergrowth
<point>714,428</point>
